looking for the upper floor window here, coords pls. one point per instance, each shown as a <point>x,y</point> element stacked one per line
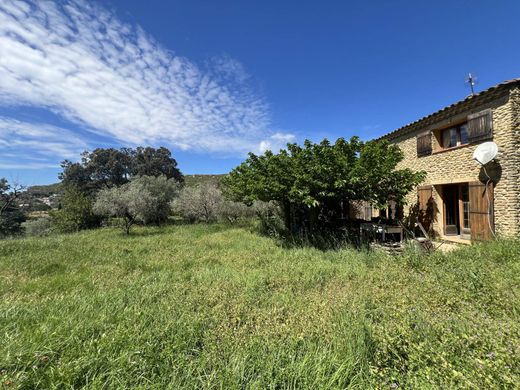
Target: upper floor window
<point>455,136</point>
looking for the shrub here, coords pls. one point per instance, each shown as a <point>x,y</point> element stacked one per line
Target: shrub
<point>11,223</point>
<point>270,219</point>
<point>11,217</point>
<point>75,213</point>
<point>234,211</point>
<point>38,227</point>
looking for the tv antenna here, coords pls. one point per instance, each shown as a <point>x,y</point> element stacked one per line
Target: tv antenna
<point>471,81</point>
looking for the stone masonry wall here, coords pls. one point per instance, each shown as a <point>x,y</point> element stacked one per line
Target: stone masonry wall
<point>457,165</point>
<point>513,162</point>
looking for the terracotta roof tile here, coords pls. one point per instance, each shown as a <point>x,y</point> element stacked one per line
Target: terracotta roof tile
<point>507,83</point>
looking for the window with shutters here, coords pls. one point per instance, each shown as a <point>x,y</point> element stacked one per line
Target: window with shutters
<point>480,126</point>
<point>455,136</point>
<point>424,144</point>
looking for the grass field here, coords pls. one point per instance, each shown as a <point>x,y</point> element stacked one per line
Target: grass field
<point>220,307</point>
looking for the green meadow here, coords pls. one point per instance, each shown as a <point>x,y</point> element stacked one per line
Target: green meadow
<point>220,307</point>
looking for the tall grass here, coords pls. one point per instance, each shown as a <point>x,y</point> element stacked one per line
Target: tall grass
<point>217,307</point>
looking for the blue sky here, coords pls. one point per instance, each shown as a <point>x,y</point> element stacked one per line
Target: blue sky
<point>213,80</point>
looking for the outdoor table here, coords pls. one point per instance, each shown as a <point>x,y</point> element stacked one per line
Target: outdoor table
<point>382,229</point>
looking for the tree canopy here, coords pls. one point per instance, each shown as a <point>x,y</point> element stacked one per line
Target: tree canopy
<point>145,199</point>
<point>317,180</point>
<point>106,168</point>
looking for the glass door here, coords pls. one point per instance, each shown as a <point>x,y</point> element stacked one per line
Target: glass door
<point>451,210</point>
<point>464,210</point>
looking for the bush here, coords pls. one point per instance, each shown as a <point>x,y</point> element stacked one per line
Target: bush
<point>38,227</point>
<point>75,213</point>
<point>145,199</point>
<point>270,219</point>
<point>11,222</point>
<point>11,217</point>
<point>234,211</point>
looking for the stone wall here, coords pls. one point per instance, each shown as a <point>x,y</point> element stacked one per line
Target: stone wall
<point>457,166</point>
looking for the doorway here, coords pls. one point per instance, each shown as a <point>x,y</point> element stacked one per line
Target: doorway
<point>456,210</point>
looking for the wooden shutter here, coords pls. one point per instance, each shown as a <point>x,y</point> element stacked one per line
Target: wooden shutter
<point>424,144</point>
<point>481,212</point>
<point>480,126</point>
<point>425,202</point>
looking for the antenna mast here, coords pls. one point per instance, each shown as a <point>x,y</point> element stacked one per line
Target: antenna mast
<point>471,81</point>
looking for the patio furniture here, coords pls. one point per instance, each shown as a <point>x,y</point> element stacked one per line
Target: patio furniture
<point>382,229</point>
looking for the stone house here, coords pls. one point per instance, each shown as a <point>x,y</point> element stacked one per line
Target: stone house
<point>461,200</point>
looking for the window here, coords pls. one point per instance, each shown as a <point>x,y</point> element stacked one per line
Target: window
<point>455,136</point>
<point>464,139</point>
<point>464,197</point>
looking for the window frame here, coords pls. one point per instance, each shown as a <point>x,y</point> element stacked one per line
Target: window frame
<point>458,130</point>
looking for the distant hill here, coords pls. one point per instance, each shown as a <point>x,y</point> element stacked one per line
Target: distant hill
<point>44,190</point>
<point>193,180</point>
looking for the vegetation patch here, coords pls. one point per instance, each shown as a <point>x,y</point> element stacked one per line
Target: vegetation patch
<point>215,306</point>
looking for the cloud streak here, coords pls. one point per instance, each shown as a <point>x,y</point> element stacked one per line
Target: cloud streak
<point>80,61</point>
<point>27,145</point>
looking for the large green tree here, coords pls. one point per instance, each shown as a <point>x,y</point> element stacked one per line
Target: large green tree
<point>110,167</point>
<point>314,183</point>
<point>147,161</point>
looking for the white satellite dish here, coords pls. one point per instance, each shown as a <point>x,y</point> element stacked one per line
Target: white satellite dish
<point>485,152</point>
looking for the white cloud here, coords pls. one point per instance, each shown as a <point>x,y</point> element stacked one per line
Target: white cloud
<point>25,145</point>
<point>276,142</point>
<point>78,60</point>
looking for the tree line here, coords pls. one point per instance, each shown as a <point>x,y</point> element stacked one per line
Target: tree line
<point>300,189</point>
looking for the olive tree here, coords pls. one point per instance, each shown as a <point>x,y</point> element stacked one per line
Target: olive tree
<point>204,202</point>
<point>198,203</point>
<point>145,199</point>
